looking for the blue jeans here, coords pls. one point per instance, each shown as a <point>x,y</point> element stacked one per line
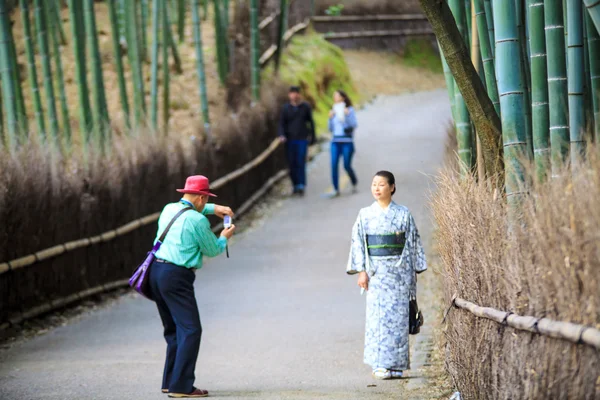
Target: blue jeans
<point>172,288</point>
<point>296,151</point>
<point>345,150</point>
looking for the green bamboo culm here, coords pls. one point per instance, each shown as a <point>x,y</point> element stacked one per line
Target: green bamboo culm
<point>85,110</point>
<point>468,23</point>
<point>312,7</point>
<point>593,7</point>
<point>22,120</point>
<point>254,50</point>
<point>32,71</point>
<point>56,19</point>
<point>133,52</point>
<point>143,28</point>
<point>464,136</point>
<point>576,77</point>
<point>156,8</point>
<point>40,22</point>
<point>205,9</point>
<point>486,54</point>
<point>165,67</point>
<point>114,24</point>
<point>512,101</point>
<point>540,122</point>
<point>449,84</point>
<point>122,19</point>
<point>173,46</point>
<point>221,42</point>
<point>181,20</point>
<point>8,85</point>
<point>200,64</point>
<point>489,16</point>
<point>283,19</point>
<point>594,60</point>
<point>100,112</point>
<point>525,72</point>
<point>557,83</point>
<point>54,31</point>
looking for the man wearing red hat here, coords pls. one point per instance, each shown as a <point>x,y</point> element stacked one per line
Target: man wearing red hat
<point>172,280</point>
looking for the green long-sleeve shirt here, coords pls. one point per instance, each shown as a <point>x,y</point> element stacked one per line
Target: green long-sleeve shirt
<point>189,238</point>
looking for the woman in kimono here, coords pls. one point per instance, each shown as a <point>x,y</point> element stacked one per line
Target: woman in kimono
<point>386,252</point>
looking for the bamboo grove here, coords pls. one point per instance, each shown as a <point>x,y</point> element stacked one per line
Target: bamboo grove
<point>539,63</point>
<point>144,39</point>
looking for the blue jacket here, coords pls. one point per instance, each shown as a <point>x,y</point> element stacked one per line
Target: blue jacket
<point>343,131</point>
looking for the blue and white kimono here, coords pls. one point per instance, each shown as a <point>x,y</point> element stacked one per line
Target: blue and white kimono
<point>392,280</point>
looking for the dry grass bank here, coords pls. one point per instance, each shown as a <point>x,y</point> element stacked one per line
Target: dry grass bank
<point>546,265</point>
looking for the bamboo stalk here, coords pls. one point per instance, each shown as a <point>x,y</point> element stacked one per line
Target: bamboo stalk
<point>181,20</point>
<point>576,76</point>
<point>254,50</point>
<point>283,21</point>
<point>8,85</point>
<point>100,116</point>
<point>133,52</point>
<point>593,7</point>
<point>85,113</point>
<point>22,121</point>
<point>32,71</point>
<point>557,84</point>
<point>594,50</point>
<point>512,101</point>
<point>477,63</point>
<point>540,122</point>
<point>143,29</point>
<point>173,45</point>
<point>56,18</point>
<point>156,6</point>
<point>200,64</point>
<point>60,81</point>
<point>466,152</point>
<point>487,54</point>
<point>114,23</point>
<point>525,73</point>
<point>40,21</point>
<point>165,66</point>
<point>221,42</point>
<point>489,17</point>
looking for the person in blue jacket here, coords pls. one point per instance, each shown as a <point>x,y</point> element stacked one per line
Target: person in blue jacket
<point>342,123</point>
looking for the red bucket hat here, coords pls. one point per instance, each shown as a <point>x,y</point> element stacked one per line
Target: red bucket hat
<point>197,184</point>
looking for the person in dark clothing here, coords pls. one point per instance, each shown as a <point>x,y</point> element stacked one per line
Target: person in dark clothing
<point>297,130</point>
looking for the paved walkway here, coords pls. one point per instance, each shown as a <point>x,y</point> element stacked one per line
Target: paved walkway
<point>281,318</point>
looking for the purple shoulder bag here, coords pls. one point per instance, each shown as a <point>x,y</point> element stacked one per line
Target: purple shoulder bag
<point>139,279</point>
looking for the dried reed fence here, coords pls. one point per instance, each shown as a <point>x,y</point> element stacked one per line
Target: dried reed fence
<point>45,202</point>
<point>546,266</point>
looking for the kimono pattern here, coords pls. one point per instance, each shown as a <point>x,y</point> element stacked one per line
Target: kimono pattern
<point>391,283</point>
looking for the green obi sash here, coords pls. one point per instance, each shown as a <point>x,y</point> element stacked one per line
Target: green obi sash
<point>386,245</point>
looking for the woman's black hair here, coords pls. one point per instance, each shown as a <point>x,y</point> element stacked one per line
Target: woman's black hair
<point>389,177</point>
<point>346,98</point>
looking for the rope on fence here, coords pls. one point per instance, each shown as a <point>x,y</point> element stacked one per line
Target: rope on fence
<point>57,250</point>
<point>571,332</point>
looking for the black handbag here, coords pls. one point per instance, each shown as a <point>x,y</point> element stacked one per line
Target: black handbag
<point>415,317</point>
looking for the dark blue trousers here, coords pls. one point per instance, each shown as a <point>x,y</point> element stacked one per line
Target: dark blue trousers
<point>296,152</point>
<point>173,291</point>
<point>345,150</point>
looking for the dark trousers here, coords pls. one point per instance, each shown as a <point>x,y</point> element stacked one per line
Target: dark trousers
<point>296,151</point>
<point>173,291</point>
<point>345,150</point>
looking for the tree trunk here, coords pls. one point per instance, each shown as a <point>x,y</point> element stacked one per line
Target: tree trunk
<point>481,108</point>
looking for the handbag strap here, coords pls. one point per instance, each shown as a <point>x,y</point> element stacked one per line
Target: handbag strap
<point>164,234</point>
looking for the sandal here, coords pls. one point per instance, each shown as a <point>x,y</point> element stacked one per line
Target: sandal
<point>396,374</point>
<point>382,373</point>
